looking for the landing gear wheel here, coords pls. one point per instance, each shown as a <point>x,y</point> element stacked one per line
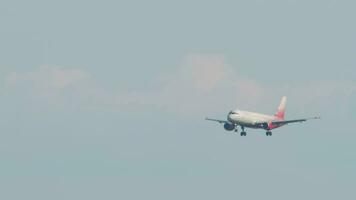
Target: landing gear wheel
<point>269,133</point>
<point>243,133</point>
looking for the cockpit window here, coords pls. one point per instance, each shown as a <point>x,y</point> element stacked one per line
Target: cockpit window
<point>233,112</point>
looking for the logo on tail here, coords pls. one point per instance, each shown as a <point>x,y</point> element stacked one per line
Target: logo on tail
<point>281,108</point>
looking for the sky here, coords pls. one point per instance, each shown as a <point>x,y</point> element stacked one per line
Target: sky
<point>107,99</point>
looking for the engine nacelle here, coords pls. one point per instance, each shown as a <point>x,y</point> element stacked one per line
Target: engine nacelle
<point>265,125</point>
<point>229,127</point>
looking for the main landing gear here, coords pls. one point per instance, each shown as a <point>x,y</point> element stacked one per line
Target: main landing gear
<point>268,133</point>
<point>243,132</point>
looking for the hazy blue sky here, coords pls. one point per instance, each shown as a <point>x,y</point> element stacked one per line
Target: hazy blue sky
<point>107,99</point>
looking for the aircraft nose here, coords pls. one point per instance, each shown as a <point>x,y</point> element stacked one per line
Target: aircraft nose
<point>230,117</point>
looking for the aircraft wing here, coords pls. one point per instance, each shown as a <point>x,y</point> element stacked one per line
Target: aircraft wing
<point>217,120</point>
<point>283,122</point>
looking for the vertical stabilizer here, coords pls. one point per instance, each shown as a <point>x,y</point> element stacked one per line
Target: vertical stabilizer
<point>281,108</point>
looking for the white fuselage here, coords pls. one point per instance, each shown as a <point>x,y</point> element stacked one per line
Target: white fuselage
<point>245,119</point>
<point>249,119</point>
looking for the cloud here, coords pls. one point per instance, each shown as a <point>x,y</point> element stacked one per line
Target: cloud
<point>52,87</point>
<point>203,84</point>
<point>207,83</point>
<point>204,72</point>
<point>46,77</point>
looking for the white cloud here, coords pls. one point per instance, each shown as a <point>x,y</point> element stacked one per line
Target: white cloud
<point>208,84</point>
<point>52,87</point>
<point>205,72</point>
<point>46,77</point>
<point>203,84</point>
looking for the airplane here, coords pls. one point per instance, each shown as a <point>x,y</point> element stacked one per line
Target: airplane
<point>246,119</point>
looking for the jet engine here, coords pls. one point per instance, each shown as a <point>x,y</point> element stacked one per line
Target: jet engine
<point>265,125</point>
<point>229,127</point>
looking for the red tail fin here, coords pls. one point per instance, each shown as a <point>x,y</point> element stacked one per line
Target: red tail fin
<point>281,108</point>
